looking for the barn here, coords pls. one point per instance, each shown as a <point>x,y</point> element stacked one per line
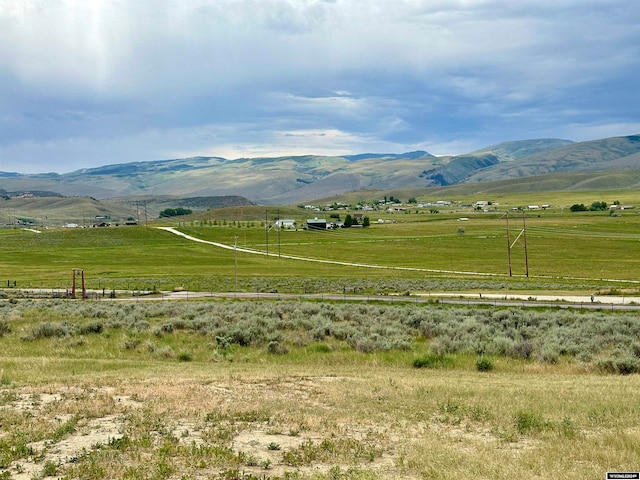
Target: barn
<point>317,224</point>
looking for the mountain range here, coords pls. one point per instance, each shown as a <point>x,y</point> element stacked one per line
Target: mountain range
<point>287,180</point>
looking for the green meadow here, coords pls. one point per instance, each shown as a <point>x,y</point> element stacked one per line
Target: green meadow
<point>559,249</point>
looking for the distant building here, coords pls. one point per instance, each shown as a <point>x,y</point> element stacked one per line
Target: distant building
<point>317,224</point>
<point>285,223</point>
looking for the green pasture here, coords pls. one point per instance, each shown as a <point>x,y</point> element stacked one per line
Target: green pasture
<point>562,248</point>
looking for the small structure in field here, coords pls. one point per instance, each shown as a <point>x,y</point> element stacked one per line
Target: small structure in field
<point>286,224</point>
<point>317,224</point>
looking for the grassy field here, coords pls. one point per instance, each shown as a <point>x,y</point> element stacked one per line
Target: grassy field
<point>244,390</point>
<point>584,251</point>
<point>256,389</point>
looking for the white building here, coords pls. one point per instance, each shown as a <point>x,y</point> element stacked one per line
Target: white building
<point>285,224</point>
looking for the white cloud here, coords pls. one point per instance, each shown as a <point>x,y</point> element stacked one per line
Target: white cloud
<point>82,81</point>
<point>583,132</point>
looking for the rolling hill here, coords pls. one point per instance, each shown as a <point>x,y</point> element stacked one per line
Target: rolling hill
<point>287,180</point>
<point>615,153</point>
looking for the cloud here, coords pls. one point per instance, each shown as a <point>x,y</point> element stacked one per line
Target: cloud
<point>88,83</point>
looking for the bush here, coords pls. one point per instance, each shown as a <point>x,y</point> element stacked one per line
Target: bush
<point>165,352</point>
<point>484,364</point>
<point>621,366</point>
<point>185,356</point>
<point>320,348</point>
<point>549,353</point>
<point>4,328</point>
<point>523,349</point>
<point>277,348</point>
<point>528,422</point>
<point>433,360</point>
<point>95,326</point>
<point>578,207</point>
<point>130,343</point>
<point>48,330</point>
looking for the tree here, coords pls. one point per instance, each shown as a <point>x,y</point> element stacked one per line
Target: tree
<point>348,221</point>
<point>168,212</point>
<point>366,222</point>
<point>172,212</point>
<point>578,207</point>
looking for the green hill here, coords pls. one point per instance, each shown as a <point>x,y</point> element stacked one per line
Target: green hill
<point>615,153</point>
<point>297,179</point>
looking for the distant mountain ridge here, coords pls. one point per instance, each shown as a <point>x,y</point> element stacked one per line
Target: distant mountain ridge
<point>286,180</point>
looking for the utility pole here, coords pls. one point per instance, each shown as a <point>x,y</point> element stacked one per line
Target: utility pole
<point>78,272</point>
<point>524,239</point>
<point>266,229</point>
<point>235,251</point>
<point>279,227</point>
<point>508,244</point>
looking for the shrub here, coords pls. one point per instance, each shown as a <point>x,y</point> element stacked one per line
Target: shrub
<point>484,364</point>
<point>167,327</point>
<point>223,343</point>
<point>48,330</point>
<point>523,349</point>
<point>4,328</point>
<point>578,207</point>
<point>91,327</point>
<point>433,360</point>
<point>276,347</point>
<point>185,356</point>
<point>320,348</point>
<point>130,343</point>
<point>621,366</point>
<point>550,353</point>
<point>528,422</point>
<point>50,469</point>
<point>165,352</point>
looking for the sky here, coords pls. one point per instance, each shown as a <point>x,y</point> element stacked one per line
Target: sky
<point>86,83</point>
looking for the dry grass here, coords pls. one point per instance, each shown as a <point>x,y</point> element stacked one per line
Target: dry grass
<point>240,420</point>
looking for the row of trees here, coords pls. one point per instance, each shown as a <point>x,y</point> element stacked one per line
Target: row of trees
<point>175,212</point>
<point>350,221</point>
<point>595,207</point>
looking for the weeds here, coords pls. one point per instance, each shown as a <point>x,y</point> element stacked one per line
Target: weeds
<point>527,422</point>
<point>434,360</point>
<point>65,429</point>
<point>185,356</point>
<point>4,328</point>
